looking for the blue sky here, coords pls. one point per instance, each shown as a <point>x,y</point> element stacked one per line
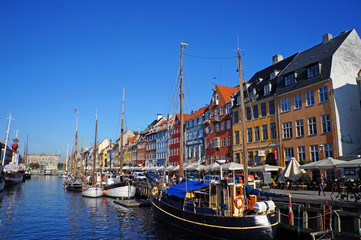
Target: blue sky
<point>56,56</point>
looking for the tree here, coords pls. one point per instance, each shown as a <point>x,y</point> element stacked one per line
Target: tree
<point>34,165</point>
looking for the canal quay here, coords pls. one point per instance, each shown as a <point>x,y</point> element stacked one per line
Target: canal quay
<point>41,209</point>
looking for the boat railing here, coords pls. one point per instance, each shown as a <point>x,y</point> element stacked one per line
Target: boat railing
<point>190,207</point>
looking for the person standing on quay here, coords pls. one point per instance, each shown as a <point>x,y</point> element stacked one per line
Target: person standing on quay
<point>320,182</point>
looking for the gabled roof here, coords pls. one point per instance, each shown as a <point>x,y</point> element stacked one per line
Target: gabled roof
<point>226,92</point>
<point>261,78</point>
<point>186,116</point>
<point>321,53</point>
<point>198,113</point>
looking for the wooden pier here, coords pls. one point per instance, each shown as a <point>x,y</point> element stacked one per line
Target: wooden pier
<point>314,217</point>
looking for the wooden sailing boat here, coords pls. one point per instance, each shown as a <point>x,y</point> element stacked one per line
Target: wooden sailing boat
<point>74,183</point>
<point>225,210</point>
<point>121,186</point>
<point>95,189</point>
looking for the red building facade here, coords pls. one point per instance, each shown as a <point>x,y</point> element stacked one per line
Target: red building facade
<point>218,125</point>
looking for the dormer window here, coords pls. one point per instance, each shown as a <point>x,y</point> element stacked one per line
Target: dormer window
<point>267,89</point>
<point>290,79</point>
<point>259,80</point>
<point>274,74</point>
<point>313,70</point>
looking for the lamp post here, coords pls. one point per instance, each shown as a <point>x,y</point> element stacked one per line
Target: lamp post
<point>321,150</point>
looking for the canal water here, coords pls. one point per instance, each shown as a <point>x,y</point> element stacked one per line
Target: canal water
<point>40,209</point>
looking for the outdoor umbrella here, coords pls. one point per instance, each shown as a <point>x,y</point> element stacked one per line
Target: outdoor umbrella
<point>293,171</point>
<point>265,168</point>
<point>169,168</point>
<point>212,166</point>
<point>350,164</point>
<point>329,163</point>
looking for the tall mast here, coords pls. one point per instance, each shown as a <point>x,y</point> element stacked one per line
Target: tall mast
<point>181,95</point>
<point>66,160</point>
<point>6,141</point>
<point>110,155</point>
<point>76,143</point>
<point>243,114</point>
<point>95,149</point>
<point>81,157</point>
<point>27,149</point>
<point>121,136</point>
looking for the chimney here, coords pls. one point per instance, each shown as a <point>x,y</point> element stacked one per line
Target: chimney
<point>159,116</point>
<point>277,58</point>
<point>170,116</point>
<point>327,37</point>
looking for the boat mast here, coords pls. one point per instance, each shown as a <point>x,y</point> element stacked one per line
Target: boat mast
<point>95,150</point>
<point>243,114</point>
<point>6,141</point>
<point>181,95</point>
<point>76,143</point>
<point>81,158</point>
<point>110,155</point>
<point>121,136</point>
<point>66,160</point>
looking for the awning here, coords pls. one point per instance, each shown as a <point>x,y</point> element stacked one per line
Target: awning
<point>180,190</point>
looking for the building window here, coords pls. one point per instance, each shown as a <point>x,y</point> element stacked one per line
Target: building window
<point>312,128</point>
<point>273,131</point>
<point>264,132</point>
<point>263,110</point>
<point>314,153</point>
<point>285,105</point>
<point>236,137</point>
<point>299,128</point>
<point>207,130</point>
<point>328,150</point>
<point>228,124</point>
<point>257,158</point>
<point>255,112</point>
<point>256,134</point>
<point>290,79</point>
<point>229,141</point>
<point>223,142</point>
<point>323,94</point>
<point>271,106</point>
<point>289,153</point>
<point>326,123</point>
<point>217,127</point>
<point>250,158</point>
<point>249,114</point>
<point>236,119</point>
<point>222,126</point>
<point>249,133</point>
<point>208,144</point>
<point>310,100</point>
<point>301,153</point>
<point>266,89</point>
<point>228,108</point>
<point>212,128</point>
<point>287,130</point>
<point>222,111</point>
<point>313,70</point>
<point>211,114</point>
<point>206,114</point>
<point>216,113</point>
<point>298,101</point>
<point>238,158</point>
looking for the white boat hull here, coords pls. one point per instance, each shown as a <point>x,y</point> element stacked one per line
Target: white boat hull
<point>124,192</point>
<point>93,192</point>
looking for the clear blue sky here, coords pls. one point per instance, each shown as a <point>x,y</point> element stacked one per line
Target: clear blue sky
<point>56,56</point>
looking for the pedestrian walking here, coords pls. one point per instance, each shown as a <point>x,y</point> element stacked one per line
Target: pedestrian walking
<point>320,182</point>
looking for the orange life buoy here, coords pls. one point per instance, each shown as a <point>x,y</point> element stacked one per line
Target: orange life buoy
<point>239,201</point>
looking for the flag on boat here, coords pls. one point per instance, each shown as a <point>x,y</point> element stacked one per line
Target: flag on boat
<point>290,213</point>
<point>75,110</point>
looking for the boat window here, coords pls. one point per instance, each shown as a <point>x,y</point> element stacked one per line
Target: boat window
<point>214,190</point>
<point>238,191</point>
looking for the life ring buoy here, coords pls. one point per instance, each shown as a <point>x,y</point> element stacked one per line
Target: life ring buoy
<point>239,202</point>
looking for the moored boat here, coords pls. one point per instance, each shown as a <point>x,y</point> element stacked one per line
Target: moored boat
<point>228,209</point>
<point>122,187</point>
<point>2,179</point>
<point>92,191</point>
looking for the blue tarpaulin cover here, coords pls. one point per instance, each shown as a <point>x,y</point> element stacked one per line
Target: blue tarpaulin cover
<point>180,190</point>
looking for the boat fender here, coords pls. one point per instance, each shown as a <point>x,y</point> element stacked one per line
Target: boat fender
<point>154,190</point>
<point>263,206</point>
<point>239,201</point>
